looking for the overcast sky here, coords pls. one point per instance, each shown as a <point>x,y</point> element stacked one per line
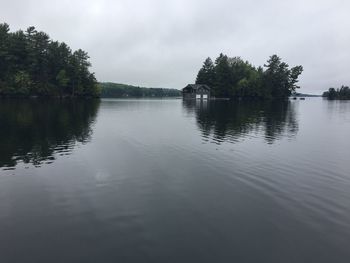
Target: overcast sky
<point>163,43</point>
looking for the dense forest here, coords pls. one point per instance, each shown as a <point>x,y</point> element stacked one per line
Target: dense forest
<point>115,90</point>
<point>235,78</point>
<point>31,64</point>
<point>338,94</point>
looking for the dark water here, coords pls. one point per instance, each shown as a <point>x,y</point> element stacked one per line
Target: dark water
<point>173,181</point>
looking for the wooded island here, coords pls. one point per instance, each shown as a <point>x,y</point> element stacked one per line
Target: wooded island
<point>337,94</point>
<point>234,78</point>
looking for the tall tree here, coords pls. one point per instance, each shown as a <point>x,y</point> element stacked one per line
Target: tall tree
<point>4,52</point>
<point>223,75</point>
<point>279,79</point>
<point>206,74</point>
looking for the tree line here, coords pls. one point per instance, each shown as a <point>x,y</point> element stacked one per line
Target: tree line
<point>232,77</point>
<point>32,64</point>
<point>342,93</point>
<point>116,90</point>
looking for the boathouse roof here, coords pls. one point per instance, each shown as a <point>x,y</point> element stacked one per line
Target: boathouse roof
<point>196,86</point>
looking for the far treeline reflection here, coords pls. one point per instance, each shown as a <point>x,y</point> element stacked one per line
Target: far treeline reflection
<point>33,131</point>
<point>221,121</point>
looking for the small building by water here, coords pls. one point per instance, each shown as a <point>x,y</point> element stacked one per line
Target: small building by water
<point>196,91</point>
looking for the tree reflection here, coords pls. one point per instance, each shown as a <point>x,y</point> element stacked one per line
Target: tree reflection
<point>33,131</point>
<point>221,121</point>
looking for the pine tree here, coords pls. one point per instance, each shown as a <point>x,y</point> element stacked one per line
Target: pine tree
<point>206,74</point>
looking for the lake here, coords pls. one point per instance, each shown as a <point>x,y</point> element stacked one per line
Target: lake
<point>174,181</point>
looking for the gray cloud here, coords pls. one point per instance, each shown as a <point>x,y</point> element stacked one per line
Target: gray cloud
<point>162,43</point>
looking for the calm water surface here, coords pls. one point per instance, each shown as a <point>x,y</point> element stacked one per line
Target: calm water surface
<point>173,181</point>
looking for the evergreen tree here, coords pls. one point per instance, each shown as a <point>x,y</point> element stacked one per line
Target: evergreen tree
<point>62,81</point>
<point>279,79</point>
<point>206,74</point>
<point>223,79</point>
<point>4,52</point>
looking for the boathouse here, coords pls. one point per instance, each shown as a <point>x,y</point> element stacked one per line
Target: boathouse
<point>196,91</point>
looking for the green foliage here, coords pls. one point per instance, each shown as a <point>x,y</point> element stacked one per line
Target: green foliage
<point>206,74</point>
<point>223,77</point>
<point>62,81</point>
<point>279,78</point>
<point>115,90</point>
<point>235,78</point>
<point>22,82</point>
<point>33,64</point>
<point>341,94</point>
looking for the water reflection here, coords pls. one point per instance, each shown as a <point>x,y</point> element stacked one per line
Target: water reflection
<point>221,121</point>
<point>34,131</point>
